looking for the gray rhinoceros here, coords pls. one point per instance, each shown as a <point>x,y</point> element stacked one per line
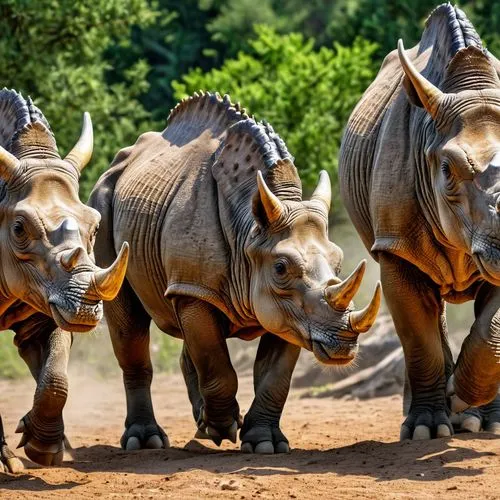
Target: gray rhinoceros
<point>222,245</point>
<point>49,284</point>
<point>420,176</point>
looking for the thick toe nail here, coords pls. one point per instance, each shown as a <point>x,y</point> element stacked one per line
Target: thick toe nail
<point>458,405</point>
<point>46,457</point>
<point>405,433</point>
<point>282,447</point>
<point>443,431</point>
<point>246,447</point>
<point>201,435</point>
<point>2,467</point>
<point>232,433</point>
<point>24,439</point>
<point>133,443</point>
<point>14,465</point>
<point>265,448</point>
<point>421,432</point>
<point>154,442</point>
<point>494,428</point>
<point>20,427</point>
<point>471,424</point>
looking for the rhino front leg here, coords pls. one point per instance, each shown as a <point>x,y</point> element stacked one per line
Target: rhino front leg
<point>417,311</point>
<point>42,427</point>
<point>273,371</point>
<point>128,325</point>
<point>475,381</point>
<point>202,328</point>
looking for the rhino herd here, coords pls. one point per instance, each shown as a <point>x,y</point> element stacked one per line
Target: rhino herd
<point>203,229</point>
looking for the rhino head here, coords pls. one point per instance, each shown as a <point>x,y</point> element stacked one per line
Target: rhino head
<point>47,234</point>
<point>295,289</point>
<point>462,154</point>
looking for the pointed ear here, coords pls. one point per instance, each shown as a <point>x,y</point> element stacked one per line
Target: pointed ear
<point>421,91</point>
<point>266,207</point>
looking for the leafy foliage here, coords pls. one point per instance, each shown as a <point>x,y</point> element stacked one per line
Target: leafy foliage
<point>306,94</point>
<point>54,50</point>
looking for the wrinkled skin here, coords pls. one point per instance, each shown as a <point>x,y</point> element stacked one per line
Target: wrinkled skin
<point>238,255</point>
<point>440,160</point>
<point>49,283</point>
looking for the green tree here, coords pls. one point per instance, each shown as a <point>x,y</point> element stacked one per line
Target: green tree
<point>306,94</point>
<point>54,51</point>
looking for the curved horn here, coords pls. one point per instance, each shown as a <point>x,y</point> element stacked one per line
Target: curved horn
<point>70,259</point>
<point>107,282</point>
<point>323,191</point>
<point>428,94</point>
<point>362,321</point>
<point>8,164</point>
<point>339,296</point>
<point>81,153</point>
<point>272,205</point>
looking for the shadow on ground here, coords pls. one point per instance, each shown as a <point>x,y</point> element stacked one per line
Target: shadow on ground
<point>434,460</point>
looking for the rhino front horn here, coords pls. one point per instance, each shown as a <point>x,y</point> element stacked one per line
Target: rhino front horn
<point>362,321</point>
<point>340,296</point>
<point>8,165</point>
<point>81,153</point>
<point>107,282</point>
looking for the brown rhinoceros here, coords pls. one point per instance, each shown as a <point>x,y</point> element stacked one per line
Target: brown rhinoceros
<point>49,284</point>
<point>420,176</point>
<point>222,245</point>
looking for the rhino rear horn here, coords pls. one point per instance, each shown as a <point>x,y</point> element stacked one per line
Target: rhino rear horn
<point>81,153</point>
<point>428,94</point>
<point>340,296</point>
<point>9,164</point>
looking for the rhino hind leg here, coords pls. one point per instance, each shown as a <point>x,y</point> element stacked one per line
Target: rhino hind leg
<point>417,310</point>
<point>485,418</point>
<point>273,370</point>
<point>203,329</point>
<point>128,325</point>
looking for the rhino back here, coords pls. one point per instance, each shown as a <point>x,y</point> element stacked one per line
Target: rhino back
<point>165,204</point>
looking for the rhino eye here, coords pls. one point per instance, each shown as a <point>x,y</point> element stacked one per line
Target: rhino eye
<point>280,268</point>
<point>19,229</point>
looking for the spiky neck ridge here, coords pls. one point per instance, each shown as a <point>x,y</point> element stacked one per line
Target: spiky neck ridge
<point>24,131</point>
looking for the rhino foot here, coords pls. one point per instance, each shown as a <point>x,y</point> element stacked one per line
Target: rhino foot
<point>424,423</point>
<point>8,461</point>
<point>264,439</point>
<point>141,436</point>
<point>38,451</point>
<point>217,432</point>
<point>485,418</point>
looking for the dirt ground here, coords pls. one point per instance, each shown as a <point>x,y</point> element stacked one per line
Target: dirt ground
<point>341,449</point>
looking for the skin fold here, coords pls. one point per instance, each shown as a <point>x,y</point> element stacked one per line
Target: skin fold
<point>49,283</point>
<point>420,176</point>
<point>222,245</point>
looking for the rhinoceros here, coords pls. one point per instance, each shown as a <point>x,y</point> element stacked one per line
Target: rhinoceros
<point>222,245</point>
<point>49,283</point>
<point>420,177</point>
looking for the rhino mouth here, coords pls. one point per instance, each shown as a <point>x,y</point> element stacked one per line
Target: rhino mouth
<point>339,353</point>
<point>80,319</point>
